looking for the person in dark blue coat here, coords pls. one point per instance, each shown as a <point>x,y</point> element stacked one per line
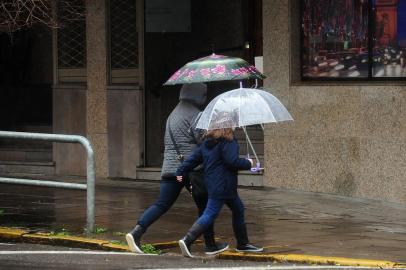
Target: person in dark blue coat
<point>219,153</point>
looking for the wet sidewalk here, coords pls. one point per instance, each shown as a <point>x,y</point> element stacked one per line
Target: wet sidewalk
<point>280,220</point>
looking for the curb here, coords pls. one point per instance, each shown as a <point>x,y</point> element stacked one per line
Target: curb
<point>311,259</point>
<point>25,236</point>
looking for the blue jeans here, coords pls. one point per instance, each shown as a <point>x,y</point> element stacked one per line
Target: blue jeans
<point>168,193</point>
<point>214,207</point>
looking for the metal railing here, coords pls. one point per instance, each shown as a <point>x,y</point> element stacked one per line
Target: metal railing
<point>89,187</point>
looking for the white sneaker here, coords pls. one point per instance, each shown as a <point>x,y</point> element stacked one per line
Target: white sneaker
<point>184,248</point>
<point>131,244</point>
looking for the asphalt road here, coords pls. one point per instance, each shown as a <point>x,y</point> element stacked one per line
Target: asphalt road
<point>15,256</point>
<point>28,256</point>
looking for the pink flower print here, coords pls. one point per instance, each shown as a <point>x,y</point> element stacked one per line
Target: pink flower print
<point>175,76</point>
<point>252,68</point>
<point>219,69</point>
<point>191,74</point>
<point>236,72</point>
<point>185,71</point>
<point>205,72</point>
<point>243,70</point>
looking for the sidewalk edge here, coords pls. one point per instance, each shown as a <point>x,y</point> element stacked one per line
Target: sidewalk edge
<point>311,259</point>
<point>22,235</point>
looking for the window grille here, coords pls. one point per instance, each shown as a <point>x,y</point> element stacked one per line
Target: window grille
<point>123,34</point>
<point>71,35</point>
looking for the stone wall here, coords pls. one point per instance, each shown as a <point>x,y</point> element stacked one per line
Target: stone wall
<point>124,105</point>
<point>96,44</point>
<point>348,138</point>
<point>69,117</point>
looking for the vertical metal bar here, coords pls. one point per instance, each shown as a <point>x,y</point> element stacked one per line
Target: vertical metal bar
<point>91,175</point>
<point>371,37</point>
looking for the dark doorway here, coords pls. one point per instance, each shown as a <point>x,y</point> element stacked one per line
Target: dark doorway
<point>229,27</point>
<point>25,97</point>
<point>26,79</point>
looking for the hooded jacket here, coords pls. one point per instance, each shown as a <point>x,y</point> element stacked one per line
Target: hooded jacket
<point>221,163</point>
<point>182,122</point>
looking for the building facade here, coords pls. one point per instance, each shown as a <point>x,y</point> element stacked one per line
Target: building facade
<point>348,135</point>
<point>105,76</point>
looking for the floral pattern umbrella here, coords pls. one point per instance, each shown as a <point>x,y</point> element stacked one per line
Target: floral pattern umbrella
<point>215,67</point>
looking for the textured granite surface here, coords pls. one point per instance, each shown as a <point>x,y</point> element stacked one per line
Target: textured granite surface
<point>348,138</point>
<point>96,83</point>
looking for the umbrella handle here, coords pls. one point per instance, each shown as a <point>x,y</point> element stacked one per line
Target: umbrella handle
<point>257,169</point>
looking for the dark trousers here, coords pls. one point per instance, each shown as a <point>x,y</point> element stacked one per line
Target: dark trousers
<point>168,193</point>
<point>214,207</point>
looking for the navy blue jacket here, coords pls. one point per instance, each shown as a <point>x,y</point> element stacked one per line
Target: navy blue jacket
<point>221,163</point>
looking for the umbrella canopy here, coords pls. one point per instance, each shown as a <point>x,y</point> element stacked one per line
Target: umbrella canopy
<point>242,107</point>
<point>215,68</point>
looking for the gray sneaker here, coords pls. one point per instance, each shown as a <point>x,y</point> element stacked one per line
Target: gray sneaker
<point>217,248</point>
<point>248,248</point>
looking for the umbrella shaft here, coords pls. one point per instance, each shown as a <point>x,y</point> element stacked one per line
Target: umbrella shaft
<point>249,142</point>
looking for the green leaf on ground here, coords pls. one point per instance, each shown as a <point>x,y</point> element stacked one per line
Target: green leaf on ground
<point>117,242</point>
<point>150,249</point>
<point>99,230</point>
<point>62,232</point>
<point>2,211</point>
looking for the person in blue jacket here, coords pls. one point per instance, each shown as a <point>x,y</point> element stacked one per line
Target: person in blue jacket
<point>219,153</point>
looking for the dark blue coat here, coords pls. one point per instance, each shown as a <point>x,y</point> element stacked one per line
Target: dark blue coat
<point>221,163</point>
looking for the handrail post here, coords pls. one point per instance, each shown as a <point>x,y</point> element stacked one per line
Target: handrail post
<point>90,170</point>
<point>91,176</point>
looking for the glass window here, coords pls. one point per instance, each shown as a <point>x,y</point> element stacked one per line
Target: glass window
<point>389,38</point>
<point>71,34</point>
<point>353,39</point>
<point>123,34</point>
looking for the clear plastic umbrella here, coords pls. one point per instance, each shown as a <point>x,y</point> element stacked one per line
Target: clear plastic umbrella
<point>243,107</point>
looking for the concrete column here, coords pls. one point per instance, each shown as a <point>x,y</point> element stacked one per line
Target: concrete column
<point>96,82</point>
